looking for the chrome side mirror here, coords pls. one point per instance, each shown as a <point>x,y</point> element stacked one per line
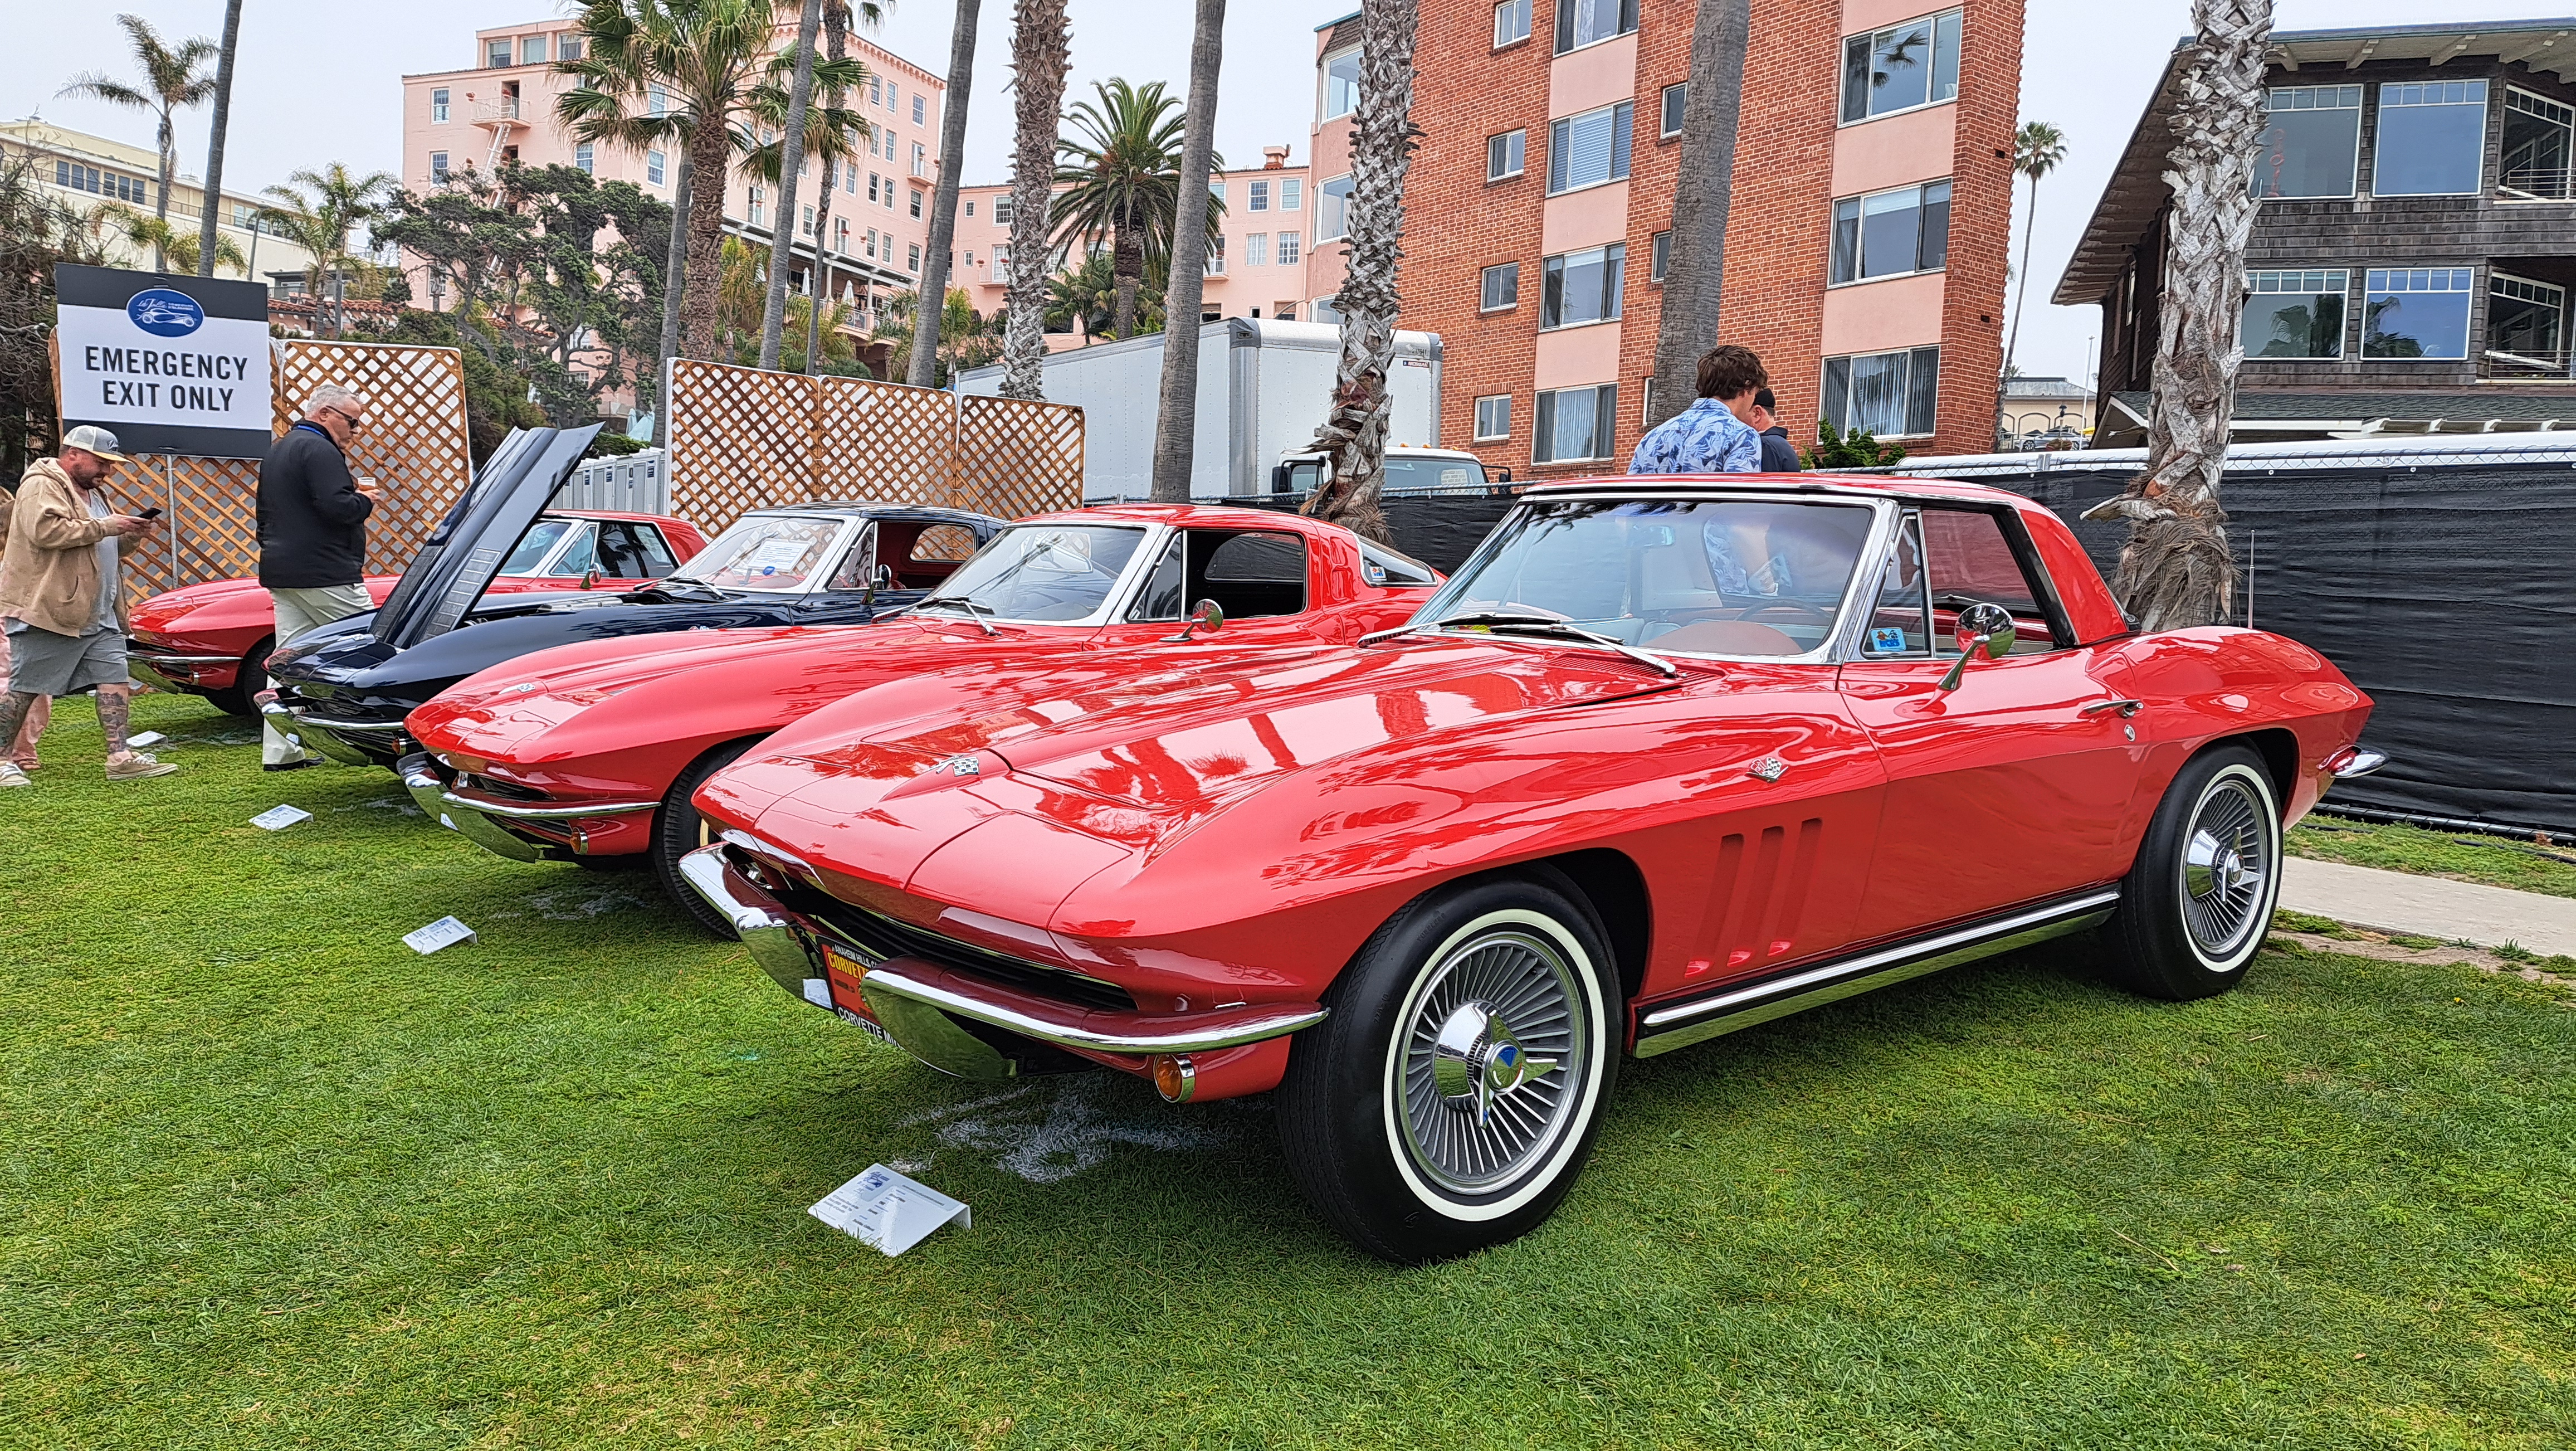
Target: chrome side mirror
<point>882,577</point>
<point>1205,615</point>
<point>590,577</point>
<point>1987,627</point>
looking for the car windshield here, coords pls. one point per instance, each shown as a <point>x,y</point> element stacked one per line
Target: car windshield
<point>1733,578</point>
<point>1420,472</point>
<point>1042,572</point>
<point>540,540</point>
<point>765,552</point>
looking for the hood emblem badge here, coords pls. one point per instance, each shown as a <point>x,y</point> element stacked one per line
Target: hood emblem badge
<point>961,766</point>
<point>1769,768</point>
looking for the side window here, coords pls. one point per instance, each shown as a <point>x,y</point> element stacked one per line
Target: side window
<point>943,542</point>
<point>1380,565</point>
<point>633,551</point>
<point>1254,573</point>
<point>857,564</point>
<point>579,555</point>
<point>1162,597</point>
<point>1896,617</point>
<point>1967,560</point>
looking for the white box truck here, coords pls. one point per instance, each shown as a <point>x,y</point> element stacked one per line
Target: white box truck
<point>1264,388</point>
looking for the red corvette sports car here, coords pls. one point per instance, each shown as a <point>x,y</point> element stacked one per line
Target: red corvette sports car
<point>1666,758</point>
<point>198,638</point>
<point>592,750</point>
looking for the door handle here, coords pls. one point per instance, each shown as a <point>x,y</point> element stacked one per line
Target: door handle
<point>2126,708</point>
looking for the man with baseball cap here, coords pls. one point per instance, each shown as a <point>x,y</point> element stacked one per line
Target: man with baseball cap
<point>61,600</point>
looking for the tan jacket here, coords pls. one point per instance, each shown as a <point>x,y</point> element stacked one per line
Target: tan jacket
<point>49,566</point>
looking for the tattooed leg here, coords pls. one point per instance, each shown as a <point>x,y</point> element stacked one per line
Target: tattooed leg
<point>13,711</point>
<point>111,717</point>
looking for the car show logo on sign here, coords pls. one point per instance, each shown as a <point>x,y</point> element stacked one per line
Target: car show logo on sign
<point>176,365</point>
<point>165,314</point>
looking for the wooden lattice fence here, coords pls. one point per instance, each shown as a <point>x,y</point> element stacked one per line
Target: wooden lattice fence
<point>742,439</point>
<point>414,444</point>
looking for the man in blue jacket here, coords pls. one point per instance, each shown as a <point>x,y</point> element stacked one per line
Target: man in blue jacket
<point>313,534</point>
<point>1710,436</point>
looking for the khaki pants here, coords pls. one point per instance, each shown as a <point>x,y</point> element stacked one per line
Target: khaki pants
<point>300,612</point>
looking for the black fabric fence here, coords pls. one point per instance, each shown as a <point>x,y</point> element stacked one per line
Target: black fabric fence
<point>1440,529</point>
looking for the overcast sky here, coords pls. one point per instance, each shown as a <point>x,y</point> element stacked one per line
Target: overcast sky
<point>318,84</point>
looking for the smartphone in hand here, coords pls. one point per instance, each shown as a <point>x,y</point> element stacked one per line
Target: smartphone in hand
<point>152,513</point>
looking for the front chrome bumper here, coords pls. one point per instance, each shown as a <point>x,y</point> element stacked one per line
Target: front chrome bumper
<point>482,822</point>
<point>335,738</point>
<point>918,1003</point>
<point>166,670</point>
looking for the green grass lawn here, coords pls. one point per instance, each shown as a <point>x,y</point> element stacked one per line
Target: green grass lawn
<point>2496,861</point>
<point>267,1178</point>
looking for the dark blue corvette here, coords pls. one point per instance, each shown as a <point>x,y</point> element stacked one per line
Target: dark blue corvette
<point>345,689</point>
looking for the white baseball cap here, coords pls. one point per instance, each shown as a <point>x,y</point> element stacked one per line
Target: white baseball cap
<point>90,438</point>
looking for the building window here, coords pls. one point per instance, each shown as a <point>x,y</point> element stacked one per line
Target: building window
<point>1288,242</point>
<point>2311,142</point>
<point>1499,287</point>
<point>876,90</point>
<point>532,50</point>
<point>438,167</point>
<point>1589,149</point>
<point>916,202</point>
<point>1001,210</point>
<point>1333,209</point>
<point>840,234</point>
<point>2431,139</point>
<point>1574,424</point>
<point>1216,190</point>
<point>894,101</point>
<point>1494,417</point>
<point>1892,234</point>
<point>1214,266</point>
<point>657,101</point>
<point>1505,154</point>
<point>2295,314</point>
<point>438,106</point>
<point>1341,84</point>
<point>970,209</point>
<point>755,207</point>
<point>874,181</point>
<point>1581,287</point>
<point>912,254</point>
<point>567,45</point>
<point>1511,23</point>
<point>1901,67</point>
<point>1292,194</point>
<point>2526,325</point>
<point>2537,144</point>
<point>1582,22</point>
<point>807,225</point>
<point>496,52</point>
<point>1256,250</point>
<point>1887,394</point>
<point>1002,263</point>
<point>1324,311</point>
<point>2418,313</point>
<point>920,109</point>
<point>1256,196</point>
<point>1674,98</point>
<point>1659,257</point>
<point>920,159</point>
<point>585,157</point>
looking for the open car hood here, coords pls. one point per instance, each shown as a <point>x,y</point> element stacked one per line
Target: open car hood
<point>462,555</point>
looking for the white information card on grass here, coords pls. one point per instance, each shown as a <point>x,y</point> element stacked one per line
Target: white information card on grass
<point>278,818</point>
<point>445,932</point>
<point>888,1210</point>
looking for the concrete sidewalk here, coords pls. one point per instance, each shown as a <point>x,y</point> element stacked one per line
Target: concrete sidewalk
<point>2434,907</point>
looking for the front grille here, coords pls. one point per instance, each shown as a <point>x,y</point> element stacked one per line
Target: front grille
<point>883,936</point>
<point>505,790</point>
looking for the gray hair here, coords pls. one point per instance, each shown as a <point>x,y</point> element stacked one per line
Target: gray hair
<point>332,395</point>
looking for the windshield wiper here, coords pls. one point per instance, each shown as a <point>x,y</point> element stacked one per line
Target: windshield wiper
<point>672,585</point>
<point>973,610</point>
<point>1536,624</point>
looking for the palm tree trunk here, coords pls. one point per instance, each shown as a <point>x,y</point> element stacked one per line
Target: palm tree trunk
<point>931,291</point>
<point>2021,284</point>
<point>1176,421</point>
<point>836,43</point>
<point>674,287</point>
<point>161,193</point>
<point>1703,197</point>
<point>791,162</point>
<point>1040,40</point>
<point>2175,571</point>
<point>207,235</point>
<point>1382,139</point>
<point>709,147</point>
<point>1127,251</point>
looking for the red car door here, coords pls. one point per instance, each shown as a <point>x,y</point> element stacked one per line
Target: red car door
<point>1265,581</point>
<point>2014,787</point>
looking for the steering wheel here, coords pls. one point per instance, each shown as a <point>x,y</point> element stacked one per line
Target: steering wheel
<point>1797,613</point>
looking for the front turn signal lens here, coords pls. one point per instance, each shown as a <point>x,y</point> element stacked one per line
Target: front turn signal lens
<point>1174,1078</point>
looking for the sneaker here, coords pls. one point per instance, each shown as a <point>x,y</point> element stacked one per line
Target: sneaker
<point>10,775</point>
<point>136,766</point>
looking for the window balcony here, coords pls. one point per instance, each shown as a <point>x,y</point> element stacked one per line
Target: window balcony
<point>490,113</point>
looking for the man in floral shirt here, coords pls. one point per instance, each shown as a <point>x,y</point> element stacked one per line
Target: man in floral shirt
<point>1710,436</point>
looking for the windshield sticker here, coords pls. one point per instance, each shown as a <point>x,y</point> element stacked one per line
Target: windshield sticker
<point>1887,640</point>
<point>774,555</point>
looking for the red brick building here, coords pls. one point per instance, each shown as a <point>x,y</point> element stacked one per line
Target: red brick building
<point>1536,204</point>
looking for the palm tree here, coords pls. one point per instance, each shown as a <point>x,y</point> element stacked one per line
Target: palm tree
<point>742,284</point>
<point>943,201</point>
<point>958,337</point>
<point>834,135</point>
<point>1176,421</point>
<point>1083,297</point>
<point>1040,41</point>
<point>836,40</point>
<point>170,80</point>
<point>210,243</point>
<point>1703,197</point>
<point>2037,149</point>
<point>1382,137</point>
<point>681,74</point>
<point>2175,570</point>
<point>321,223</point>
<point>782,232</point>
<point>179,249</point>
<point>1120,182</point>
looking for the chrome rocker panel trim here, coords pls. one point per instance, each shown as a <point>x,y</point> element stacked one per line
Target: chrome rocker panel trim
<point>1678,1025</point>
<point>547,813</point>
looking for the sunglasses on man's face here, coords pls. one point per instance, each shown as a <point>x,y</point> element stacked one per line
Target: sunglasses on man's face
<point>345,416</point>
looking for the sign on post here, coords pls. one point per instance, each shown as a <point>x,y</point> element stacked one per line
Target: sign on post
<point>174,365</point>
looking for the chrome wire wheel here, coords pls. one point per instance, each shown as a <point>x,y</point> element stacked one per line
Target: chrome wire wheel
<point>1494,1056</point>
<point>2229,858</point>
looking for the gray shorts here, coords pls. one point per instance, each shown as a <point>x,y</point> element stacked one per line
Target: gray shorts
<point>44,663</point>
